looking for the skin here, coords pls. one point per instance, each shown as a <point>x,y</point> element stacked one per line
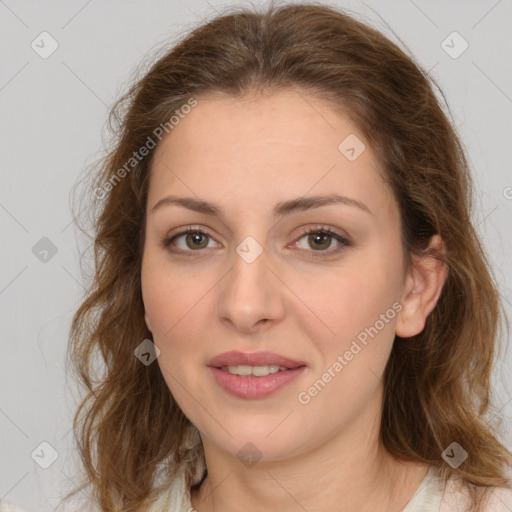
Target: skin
<point>246,155</point>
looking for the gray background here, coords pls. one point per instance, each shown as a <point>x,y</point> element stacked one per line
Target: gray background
<point>53,115</point>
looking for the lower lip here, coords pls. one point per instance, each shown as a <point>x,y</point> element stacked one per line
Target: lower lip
<point>254,387</point>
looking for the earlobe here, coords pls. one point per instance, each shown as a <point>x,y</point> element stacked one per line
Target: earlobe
<point>423,287</point>
<point>148,323</point>
<point>410,321</point>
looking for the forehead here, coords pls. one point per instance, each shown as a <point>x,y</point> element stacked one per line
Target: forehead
<point>267,148</point>
<point>284,121</point>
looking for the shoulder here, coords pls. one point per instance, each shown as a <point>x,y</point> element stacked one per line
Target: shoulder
<point>5,506</point>
<point>176,497</point>
<point>456,497</point>
<point>500,500</point>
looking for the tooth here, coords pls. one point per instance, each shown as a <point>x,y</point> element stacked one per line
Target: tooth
<point>260,371</point>
<point>243,370</point>
<point>257,371</point>
<point>239,370</point>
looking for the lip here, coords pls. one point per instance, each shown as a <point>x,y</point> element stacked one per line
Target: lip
<point>236,358</point>
<point>252,387</point>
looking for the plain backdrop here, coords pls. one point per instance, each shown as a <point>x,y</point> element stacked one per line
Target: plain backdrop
<point>53,111</point>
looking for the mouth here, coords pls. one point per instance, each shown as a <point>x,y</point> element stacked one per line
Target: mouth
<point>254,375</point>
<point>255,371</point>
<point>259,360</point>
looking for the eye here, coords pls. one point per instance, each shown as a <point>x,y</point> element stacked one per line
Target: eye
<point>193,240</point>
<point>320,238</point>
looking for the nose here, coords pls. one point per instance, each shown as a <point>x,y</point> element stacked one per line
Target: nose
<point>251,293</point>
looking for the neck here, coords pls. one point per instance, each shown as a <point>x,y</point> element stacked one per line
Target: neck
<point>351,472</point>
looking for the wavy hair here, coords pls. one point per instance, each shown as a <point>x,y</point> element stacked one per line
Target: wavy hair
<point>437,387</point>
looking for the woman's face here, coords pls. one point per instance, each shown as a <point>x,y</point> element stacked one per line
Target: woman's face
<point>254,281</point>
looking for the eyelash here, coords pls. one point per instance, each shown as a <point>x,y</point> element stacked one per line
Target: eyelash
<point>316,230</point>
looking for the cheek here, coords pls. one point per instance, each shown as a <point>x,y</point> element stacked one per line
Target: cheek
<point>371,305</point>
<point>169,295</point>
<point>351,301</point>
<point>174,304</point>
<point>358,309</point>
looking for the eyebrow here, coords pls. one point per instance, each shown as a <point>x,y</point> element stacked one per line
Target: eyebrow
<point>280,209</point>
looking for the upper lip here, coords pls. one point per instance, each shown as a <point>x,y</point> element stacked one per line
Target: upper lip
<point>236,358</point>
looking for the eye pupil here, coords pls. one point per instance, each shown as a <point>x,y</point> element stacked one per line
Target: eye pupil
<point>318,239</point>
<point>193,237</point>
<point>313,238</point>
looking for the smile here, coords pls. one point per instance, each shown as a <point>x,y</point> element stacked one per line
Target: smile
<point>257,371</point>
<point>252,386</point>
<point>253,375</point>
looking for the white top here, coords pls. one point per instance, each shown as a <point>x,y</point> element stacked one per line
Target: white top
<point>432,495</point>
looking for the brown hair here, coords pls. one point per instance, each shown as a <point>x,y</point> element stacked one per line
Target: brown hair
<point>437,385</point>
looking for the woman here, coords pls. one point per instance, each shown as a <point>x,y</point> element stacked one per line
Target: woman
<point>292,305</point>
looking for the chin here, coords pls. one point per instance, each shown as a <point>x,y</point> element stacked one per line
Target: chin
<point>253,439</point>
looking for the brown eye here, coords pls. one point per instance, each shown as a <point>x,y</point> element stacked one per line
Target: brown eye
<point>320,239</point>
<point>196,240</point>
<point>188,241</point>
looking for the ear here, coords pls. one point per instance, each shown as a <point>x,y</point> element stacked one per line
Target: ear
<point>148,323</point>
<point>423,286</point>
